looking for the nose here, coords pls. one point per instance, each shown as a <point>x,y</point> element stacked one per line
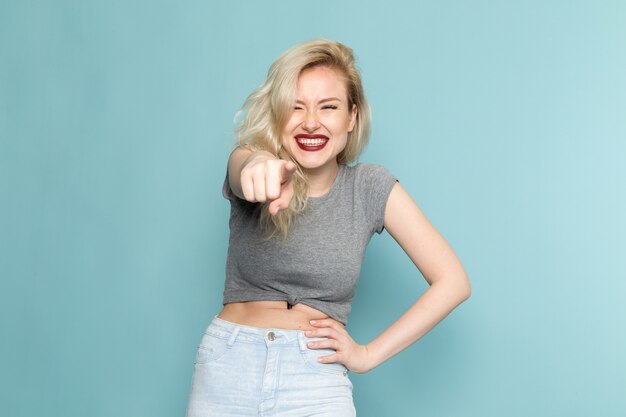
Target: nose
<point>310,122</point>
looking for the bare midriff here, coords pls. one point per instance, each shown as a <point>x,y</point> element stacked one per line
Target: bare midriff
<point>271,314</point>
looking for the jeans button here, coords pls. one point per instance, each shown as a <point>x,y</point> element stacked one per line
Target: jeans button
<point>271,336</point>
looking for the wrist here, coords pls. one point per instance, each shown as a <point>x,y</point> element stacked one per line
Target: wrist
<point>367,363</point>
<point>371,361</point>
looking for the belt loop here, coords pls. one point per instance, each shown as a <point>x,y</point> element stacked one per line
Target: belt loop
<point>301,341</point>
<point>233,336</point>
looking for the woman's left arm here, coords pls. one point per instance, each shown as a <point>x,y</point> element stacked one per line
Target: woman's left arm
<point>433,256</point>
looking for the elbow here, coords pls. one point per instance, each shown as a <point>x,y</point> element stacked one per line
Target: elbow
<point>459,287</point>
<point>465,288</point>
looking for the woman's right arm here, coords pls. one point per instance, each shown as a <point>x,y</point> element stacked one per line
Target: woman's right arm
<point>259,176</point>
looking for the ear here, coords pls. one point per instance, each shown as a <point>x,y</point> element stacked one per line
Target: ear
<point>353,113</point>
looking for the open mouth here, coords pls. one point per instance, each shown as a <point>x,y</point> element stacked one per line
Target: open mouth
<point>311,143</point>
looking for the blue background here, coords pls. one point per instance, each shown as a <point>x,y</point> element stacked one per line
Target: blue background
<point>504,120</point>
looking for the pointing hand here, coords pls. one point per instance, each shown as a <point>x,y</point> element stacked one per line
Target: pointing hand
<point>264,179</point>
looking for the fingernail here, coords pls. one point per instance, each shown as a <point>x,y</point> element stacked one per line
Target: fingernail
<point>313,321</point>
<point>308,332</point>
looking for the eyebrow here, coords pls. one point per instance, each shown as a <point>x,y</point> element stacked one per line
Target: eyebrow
<point>324,100</point>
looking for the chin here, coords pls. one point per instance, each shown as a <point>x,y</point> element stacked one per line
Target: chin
<point>310,163</point>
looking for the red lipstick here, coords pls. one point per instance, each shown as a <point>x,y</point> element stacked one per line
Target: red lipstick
<point>311,142</point>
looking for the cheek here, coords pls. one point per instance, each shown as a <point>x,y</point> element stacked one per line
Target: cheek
<point>334,121</point>
<point>291,125</point>
<point>342,124</point>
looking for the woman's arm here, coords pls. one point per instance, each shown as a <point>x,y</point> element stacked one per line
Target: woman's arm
<point>431,254</point>
<point>259,176</point>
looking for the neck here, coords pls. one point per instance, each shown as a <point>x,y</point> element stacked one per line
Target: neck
<point>321,179</point>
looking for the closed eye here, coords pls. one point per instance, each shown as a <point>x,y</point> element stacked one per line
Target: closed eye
<point>330,106</point>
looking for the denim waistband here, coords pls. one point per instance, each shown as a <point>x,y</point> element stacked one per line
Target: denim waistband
<point>257,335</point>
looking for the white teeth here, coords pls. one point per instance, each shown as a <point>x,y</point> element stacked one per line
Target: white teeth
<point>311,142</point>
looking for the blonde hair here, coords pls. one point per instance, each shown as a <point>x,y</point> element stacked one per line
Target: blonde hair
<point>269,108</point>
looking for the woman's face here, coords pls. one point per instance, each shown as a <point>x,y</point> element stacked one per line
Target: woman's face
<point>318,128</point>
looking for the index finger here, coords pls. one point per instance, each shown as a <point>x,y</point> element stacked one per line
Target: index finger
<point>287,171</point>
<point>332,323</point>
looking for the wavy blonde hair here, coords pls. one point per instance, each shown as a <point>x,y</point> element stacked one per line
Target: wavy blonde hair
<point>270,106</point>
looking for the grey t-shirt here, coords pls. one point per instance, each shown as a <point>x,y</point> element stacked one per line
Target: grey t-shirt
<point>319,263</point>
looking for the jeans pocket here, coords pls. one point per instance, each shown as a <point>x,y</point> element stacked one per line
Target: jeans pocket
<point>310,356</point>
<point>211,349</point>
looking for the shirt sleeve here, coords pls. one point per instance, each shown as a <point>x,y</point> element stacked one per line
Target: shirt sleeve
<point>376,184</point>
<point>227,192</point>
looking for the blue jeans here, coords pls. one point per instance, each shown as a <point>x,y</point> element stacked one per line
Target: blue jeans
<point>250,371</point>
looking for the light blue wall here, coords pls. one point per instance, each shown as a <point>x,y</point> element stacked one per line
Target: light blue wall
<point>505,121</point>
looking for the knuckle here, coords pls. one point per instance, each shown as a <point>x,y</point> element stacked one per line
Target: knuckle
<point>272,166</point>
<point>255,168</point>
<point>248,193</point>
<point>259,196</point>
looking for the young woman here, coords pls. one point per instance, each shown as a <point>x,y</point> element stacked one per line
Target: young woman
<point>300,220</point>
